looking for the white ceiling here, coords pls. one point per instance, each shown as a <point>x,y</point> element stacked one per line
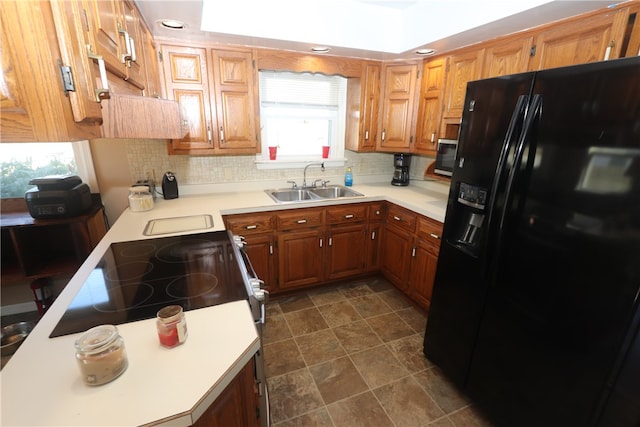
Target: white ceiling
<point>373,29</point>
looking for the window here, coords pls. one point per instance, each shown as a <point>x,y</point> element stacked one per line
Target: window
<point>300,113</point>
<point>22,162</point>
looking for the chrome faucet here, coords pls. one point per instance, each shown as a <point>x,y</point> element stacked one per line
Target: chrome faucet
<point>304,175</point>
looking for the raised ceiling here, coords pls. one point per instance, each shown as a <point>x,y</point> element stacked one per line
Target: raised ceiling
<point>373,29</point>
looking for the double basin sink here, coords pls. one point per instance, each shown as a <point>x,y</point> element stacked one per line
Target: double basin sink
<point>289,195</point>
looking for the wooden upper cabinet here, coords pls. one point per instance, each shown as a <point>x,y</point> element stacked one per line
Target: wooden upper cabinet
<point>185,73</point>
<point>430,106</point>
<point>581,41</point>
<point>398,101</point>
<point>131,39</point>
<point>363,101</point>
<point>31,54</point>
<point>216,93</point>
<point>151,64</point>
<point>507,57</point>
<point>461,68</point>
<point>234,83</point>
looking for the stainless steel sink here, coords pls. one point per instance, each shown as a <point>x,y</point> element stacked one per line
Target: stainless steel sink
<point>291,195</point>
<point>334,192</point>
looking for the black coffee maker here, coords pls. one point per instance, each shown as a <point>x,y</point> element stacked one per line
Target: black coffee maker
<point>401,163</point>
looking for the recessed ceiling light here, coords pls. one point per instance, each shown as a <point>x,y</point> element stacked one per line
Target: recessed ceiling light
<point>320,49</point>
<point>172,24</point>
<point>425,51</point>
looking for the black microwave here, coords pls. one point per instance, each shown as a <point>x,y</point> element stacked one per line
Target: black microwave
<point>446,156</point>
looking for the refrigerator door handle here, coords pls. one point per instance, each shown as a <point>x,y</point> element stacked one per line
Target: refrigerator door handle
<point>510,139</point>
<point>532,114</point>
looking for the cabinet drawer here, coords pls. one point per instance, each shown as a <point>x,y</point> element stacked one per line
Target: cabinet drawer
<point>401,217</point>
<point>300,218</point>
<point>249,224</point>
<point>429,230</point>
<point>346,214</point>
<point>376,211</point>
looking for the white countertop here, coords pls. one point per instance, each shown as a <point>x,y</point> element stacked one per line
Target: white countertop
<point>41,384</point>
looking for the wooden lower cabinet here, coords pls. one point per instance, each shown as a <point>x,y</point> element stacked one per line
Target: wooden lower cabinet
<point>297,248</point>
<point>300,256</point>
<point>396,256</point>
<point>237,405</point>
<point>258,232</point>
<point>345,251</point>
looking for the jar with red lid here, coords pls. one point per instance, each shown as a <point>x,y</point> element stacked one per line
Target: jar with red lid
<point>172,326</point>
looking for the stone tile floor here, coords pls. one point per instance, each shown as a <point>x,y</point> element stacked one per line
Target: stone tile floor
<point>351,355</point>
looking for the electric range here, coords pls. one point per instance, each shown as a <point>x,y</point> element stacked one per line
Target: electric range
<point>135,279</point>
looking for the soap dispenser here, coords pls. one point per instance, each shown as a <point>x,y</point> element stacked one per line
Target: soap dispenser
<point>348,177</point>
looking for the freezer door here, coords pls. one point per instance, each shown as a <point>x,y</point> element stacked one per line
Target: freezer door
<point>562,297</point>
<point>460,282</point>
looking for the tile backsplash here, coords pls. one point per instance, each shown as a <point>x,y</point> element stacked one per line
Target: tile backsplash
<point>149,159</point>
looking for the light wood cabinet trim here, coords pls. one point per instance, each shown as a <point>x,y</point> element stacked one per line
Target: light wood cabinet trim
<point>272,59</point>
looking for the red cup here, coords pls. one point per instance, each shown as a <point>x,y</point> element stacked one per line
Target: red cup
<point>272,153</point>
<point>325,151</point>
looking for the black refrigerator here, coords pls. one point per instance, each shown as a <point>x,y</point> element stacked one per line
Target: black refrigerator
<point>535,308</point>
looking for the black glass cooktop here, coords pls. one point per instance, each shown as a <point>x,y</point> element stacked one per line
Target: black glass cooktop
<point>134,280</point>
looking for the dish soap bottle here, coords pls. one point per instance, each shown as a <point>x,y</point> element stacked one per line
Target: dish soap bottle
<point>348,178</point>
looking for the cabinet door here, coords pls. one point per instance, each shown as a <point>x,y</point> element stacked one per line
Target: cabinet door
<point>396,256</point>
<point>261,251</point>
<point>345,251</point>
<point>373,247</point>
<point>430,107</point>
<point>370,105</point>
<point>397,109</point>
<point>185,73</point>
<point>234,82</point>
<point>151,64</point>
<point>461,69</point>
<point>31,54</point>
<point>507,58</point>
<point>131,40</point>
<point>587,40</point>
<point>300,260</point>
<point>424,261</point>
<point>106,25</point>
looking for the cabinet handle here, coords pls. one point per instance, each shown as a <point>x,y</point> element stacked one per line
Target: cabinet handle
<point>348,216</point>
<point>221,134</point>
<point>330,241</point>
<point>413,252</point>
<point>250,227</point>
<point>433,138</point>
<point>607,51</point>
<point>321,242</point>
<point>373,235</point>
<point>384,133</point>
<point>366,135</point>
<point>377,212</point>
<point>133,57</point>
<point>301,221</point>
<point>101,93</point>
<point>127,43</point>
<point>270,249</point>
<point>209,134</point>
<point>397,218</point>
<point>435,236</point>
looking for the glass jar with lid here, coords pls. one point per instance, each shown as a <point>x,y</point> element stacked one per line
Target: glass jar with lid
<point>172,326</point>
<point>101,355</point>
<point>140,198</point>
